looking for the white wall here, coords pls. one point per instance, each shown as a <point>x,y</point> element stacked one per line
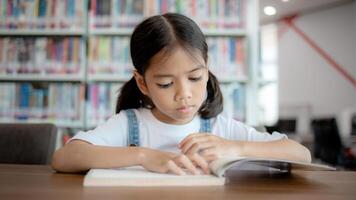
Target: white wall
<point>308,81</point>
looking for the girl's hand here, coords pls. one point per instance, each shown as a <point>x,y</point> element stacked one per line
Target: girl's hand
<point>165,162</point>
<point>209,146</point>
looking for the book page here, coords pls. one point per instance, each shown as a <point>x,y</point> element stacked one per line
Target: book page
<point>138,176</point>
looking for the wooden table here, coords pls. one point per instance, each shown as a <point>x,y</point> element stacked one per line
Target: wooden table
<point>41,182</point>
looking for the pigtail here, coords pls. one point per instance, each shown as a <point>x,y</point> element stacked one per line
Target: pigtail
<point>130,96</point>
<point>213,104</point>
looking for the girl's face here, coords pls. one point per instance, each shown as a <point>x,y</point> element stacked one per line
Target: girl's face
<point>176,84</point>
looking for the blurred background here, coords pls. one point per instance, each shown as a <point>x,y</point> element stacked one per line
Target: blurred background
<point>283,65</point>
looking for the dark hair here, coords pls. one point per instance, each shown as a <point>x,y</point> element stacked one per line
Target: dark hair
<point>161,33</point>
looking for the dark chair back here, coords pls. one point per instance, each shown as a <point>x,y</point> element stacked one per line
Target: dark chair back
<point>327,141</point>
<point>353,125</point>
<point>287,126</point>
<point>27,143</point>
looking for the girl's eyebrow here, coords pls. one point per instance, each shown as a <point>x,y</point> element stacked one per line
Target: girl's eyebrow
<point>170,75</point>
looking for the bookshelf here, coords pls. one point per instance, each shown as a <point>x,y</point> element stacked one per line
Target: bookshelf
<point>42,61</point>
<point>102,28</point>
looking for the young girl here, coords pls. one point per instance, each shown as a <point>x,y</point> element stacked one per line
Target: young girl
<point>168,115</point>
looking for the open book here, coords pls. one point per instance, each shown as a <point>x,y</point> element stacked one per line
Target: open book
<point>138,176</point>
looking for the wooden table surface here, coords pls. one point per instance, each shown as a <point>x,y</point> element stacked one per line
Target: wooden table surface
<point>41,182</point>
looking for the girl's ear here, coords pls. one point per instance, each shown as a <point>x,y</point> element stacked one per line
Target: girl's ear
<point>141,83</point>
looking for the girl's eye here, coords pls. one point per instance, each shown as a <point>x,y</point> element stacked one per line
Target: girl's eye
<point>195,78</point>
<point>164,85</point>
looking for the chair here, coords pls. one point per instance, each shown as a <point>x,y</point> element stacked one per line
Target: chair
<point>328,145</point>
<point>327,141</point>
<point>353,125</point>
<point>287,126</point>
<point>27,143</point>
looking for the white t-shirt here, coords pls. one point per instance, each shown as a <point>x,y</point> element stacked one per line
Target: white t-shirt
<point>166,137</point>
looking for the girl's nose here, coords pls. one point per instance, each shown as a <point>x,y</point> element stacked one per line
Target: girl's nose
<point>183,92</point>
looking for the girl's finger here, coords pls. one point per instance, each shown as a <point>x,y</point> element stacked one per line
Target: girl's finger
<point>201,162</point>
<point>209,154</point>
<point>210,158</point>
<point>195,148</point>
<point>189,137</point>
<point>172,167</point>
<point>189,143</point>
<point>187,163</point>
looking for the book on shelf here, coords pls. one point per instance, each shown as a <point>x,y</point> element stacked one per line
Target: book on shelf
<point>227,57</point>
<point>213,14</point>
<point>221,169</point>
<point>41,55</point>
<point>109,55</point>
<point>101,102</point>
<point>42,14</point>
<point>115,13</point>
<point>41,101</point>
<point>234,101</point>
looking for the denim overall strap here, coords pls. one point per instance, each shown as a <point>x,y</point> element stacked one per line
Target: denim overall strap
<point>205,125</point>
<point>134,132</point>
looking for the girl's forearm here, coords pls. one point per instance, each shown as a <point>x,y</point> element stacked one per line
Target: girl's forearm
<point>279,149</point>
<point>80,156</point>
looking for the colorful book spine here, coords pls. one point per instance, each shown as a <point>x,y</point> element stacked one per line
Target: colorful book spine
<point>234,101</point>
<point>101,102</point>
<point>24,101</point>
<point>109,55</point>
<point>41,14</point>
<point>40,55</point>
<point>41,101</point>
<point>210,14</point>
<point>227,57</point>
<point>116,13</point>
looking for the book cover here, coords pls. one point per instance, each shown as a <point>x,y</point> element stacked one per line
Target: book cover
<point>220,166</point>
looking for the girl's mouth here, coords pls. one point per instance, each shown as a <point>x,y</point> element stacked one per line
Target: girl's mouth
<point>185,109</point>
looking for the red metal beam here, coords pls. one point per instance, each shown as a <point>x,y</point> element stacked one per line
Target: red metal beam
<point>320,51</point>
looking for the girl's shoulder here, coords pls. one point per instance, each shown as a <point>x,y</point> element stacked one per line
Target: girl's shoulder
<point>137,111</point>
<point>225,119</point>
<point>140,113</point>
